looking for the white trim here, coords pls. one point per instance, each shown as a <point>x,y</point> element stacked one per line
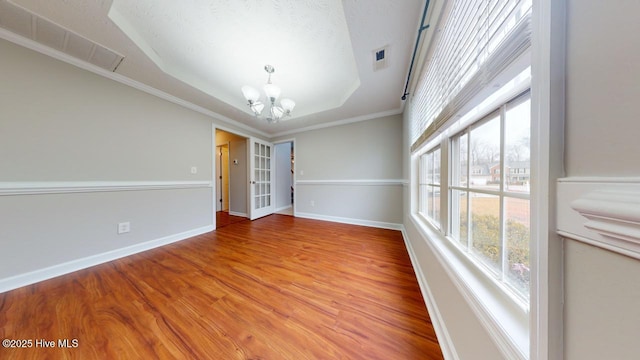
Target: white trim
<point>253,211</point>
<point>599,180</point>
<point>35,276</point>
<point>505,321</point>
<point>35,46</point>
<point>45,50</point>
<point>444,338</point>
<point>341,122</point>
<point>62,187</point>
<point>548,46</point>
<point>214,189</point>
<point>284,208</point>
<point>351,221</point>
<point>233,213</point>
<point>603,212</point>
<point>293,168</point>
<point>230,130</point>
<point>354,182</point>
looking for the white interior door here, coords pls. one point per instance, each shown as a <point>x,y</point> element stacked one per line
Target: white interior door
<point>261,179</point>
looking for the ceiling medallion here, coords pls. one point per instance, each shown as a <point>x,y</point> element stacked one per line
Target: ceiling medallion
<point>272,92</point>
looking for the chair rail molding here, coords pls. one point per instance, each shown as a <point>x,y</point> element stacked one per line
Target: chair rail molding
<point>61,187</point>
<point>603,212</point>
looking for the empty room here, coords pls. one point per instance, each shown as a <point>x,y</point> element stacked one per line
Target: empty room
<point>333,179</point>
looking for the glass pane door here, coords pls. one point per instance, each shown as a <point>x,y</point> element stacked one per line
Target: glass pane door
<point>262,180</point>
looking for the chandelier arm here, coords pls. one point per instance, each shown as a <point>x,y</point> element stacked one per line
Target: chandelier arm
<point>276,112</point>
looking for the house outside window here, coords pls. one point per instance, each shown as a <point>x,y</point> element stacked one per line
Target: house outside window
<point>490,221</point>
<point>484,233</point>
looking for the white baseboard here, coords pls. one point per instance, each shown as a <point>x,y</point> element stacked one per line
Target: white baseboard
<point>283,208</point>
<point>444,339</point>
<point>50,272</point>
<point>361,222</point>
<point>238,214</point>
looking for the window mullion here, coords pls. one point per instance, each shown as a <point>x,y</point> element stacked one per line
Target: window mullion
<point>503,177</point>
<point>454,178</point>
<point>468,177</point>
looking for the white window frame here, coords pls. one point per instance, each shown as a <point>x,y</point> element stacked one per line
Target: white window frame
<point>548,46</point>
<point>501,193</point>
<point>545,323</point>
<point>426,181</point>
<point>505,316</point>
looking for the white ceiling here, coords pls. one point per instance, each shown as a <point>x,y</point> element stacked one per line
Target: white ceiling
<point>203,51</point>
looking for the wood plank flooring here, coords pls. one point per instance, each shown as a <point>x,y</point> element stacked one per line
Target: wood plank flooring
<point>276,288</point>
<point>223,219</point>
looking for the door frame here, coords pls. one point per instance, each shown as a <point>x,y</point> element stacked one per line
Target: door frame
<point>224,174</point>
<point>214,163</point>
<point>293,167</point>
<point>262,211</point>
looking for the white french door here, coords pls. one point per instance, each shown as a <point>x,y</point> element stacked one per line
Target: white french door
<point>261,179</point>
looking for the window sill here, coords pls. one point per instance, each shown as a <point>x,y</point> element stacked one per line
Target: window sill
<point>505,319</point>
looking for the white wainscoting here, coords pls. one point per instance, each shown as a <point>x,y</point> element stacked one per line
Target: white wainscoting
<point>603,212</point>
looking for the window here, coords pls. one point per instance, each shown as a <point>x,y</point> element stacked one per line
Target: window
<point>467,105</point>
<point>429,186</point>
<point>490,216</point>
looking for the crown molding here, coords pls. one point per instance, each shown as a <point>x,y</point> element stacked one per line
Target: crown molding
<point>58,55</point>
<point>341,122</point>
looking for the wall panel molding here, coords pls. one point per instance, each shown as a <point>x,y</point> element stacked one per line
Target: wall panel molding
<point>354,182</point>
<point>603,212</point>
<point>62,187</point>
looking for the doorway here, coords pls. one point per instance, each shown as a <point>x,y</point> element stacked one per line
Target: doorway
<point>231,178</point>
<point>223,177</point>
<point>285,177</point>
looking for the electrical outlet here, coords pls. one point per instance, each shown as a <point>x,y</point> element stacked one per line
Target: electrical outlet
<point>124,227</point>
<point>313,203</point>
<point>194,170</point>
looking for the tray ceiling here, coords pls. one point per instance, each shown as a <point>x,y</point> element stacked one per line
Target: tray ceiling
<point>203,51</point>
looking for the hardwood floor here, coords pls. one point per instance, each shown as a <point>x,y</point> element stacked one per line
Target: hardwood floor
<point>223,219</point>
<point>276,288</point>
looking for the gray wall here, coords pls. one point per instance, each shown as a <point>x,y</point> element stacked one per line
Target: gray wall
<point>238,176</point>
<point>62,126</point>
<point>239,179</point>
<point>284,180</point>
<point>352,172</point>
<point>59,123</point>
<point>602,291</point>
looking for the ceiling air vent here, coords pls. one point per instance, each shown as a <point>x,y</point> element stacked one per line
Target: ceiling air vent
<point>29,25</point>
<point>380,58</point>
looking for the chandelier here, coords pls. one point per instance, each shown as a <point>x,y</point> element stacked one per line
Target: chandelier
<point>272,92</point>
